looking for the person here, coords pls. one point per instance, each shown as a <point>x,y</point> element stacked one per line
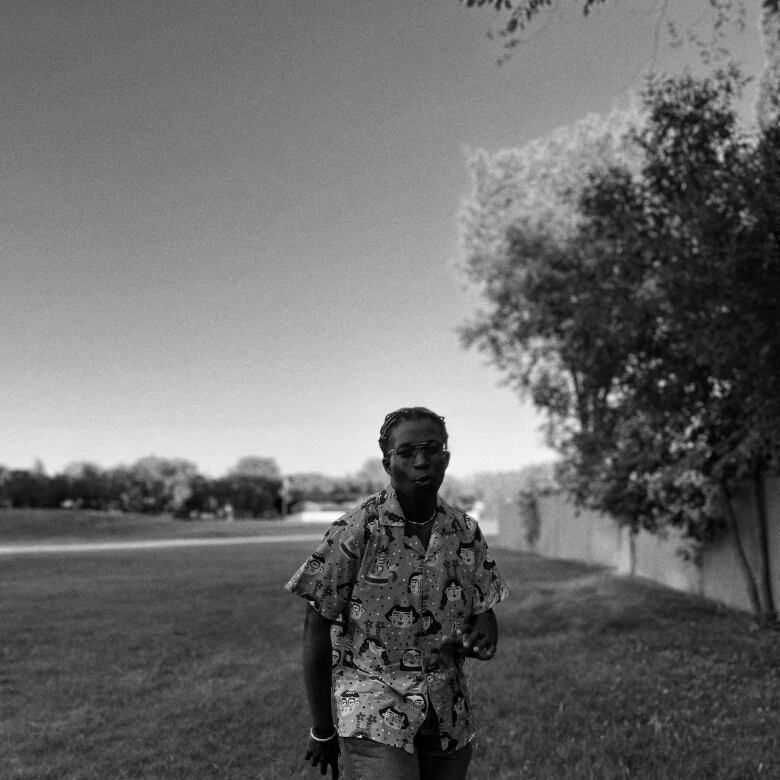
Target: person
<point>399,593</point>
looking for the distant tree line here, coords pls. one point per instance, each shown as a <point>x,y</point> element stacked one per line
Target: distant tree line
<point>253,488</point>
<point>151,485</point>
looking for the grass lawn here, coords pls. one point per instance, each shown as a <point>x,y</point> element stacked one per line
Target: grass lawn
<point>185,663</point>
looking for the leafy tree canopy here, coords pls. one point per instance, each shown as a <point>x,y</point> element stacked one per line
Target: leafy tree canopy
<point>633,295</point>
<point>255,466</point>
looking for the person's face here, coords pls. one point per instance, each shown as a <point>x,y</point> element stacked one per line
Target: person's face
<point>421,476</point>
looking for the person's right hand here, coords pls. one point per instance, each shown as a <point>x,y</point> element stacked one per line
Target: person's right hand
<point>324,755</point>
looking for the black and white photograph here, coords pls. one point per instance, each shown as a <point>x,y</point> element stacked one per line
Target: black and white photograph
<point>390,389</point>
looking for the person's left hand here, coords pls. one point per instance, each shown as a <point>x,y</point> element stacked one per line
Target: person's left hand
<point>323,755</point>
<point>471,643</point>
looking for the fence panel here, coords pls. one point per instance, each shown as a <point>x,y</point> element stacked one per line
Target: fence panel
<point>564,531</point>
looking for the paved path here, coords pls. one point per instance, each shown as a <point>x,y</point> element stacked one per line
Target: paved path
<point>35,549</point>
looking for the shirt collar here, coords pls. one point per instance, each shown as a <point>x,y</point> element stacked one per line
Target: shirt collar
<point>391,513</point>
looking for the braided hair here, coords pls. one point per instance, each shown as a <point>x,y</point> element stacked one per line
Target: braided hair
<point>408,413</point>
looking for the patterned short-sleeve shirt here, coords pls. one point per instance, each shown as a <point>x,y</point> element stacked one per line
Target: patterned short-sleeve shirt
<point>393,601</point>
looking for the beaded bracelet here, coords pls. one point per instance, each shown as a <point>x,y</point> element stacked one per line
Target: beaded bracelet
<point>319,739</point>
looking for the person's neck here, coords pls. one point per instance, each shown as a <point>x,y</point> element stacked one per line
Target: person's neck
<point>417,511</point>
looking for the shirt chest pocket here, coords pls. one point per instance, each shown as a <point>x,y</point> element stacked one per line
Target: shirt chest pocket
<point>380,566</point>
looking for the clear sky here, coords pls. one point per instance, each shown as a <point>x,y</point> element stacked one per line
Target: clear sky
<point>231,229</point>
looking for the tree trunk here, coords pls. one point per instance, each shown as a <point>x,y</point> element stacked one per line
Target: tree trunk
<point>750,579</point>
<point>768,103</point>
<point>632,532</point>
<point>770,612</point>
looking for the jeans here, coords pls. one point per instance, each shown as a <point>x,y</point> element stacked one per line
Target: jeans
<point>364,759</point>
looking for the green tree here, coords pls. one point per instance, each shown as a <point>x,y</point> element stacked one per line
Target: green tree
<point>155,484</point>
<point>635,308</point>
<point>87,485</point>
<point>541,292</point>
<point>710,190</point>
<point>255,466</point>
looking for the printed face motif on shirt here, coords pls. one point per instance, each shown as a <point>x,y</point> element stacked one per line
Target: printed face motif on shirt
<point>344,590</point>
<point>372,525</point>
<point>356,608</point>
<point>415,584</point>
<point>402,616</point>
<point>393,718</point>
<point>466,553</point>
<point>417,701</point>
<point>348,701</point>
<point>373,654</point>
<point>372,646</point>
<point>435,677</point>
<point>429,623</point>
<point>411,660</point>
<point>453,591</point>
<point>316,563</point>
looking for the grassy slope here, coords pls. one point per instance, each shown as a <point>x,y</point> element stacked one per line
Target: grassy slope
<point>185,663</point>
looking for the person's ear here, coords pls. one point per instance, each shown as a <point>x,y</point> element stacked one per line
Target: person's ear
<point>446,459</point>
<point>386,465</point>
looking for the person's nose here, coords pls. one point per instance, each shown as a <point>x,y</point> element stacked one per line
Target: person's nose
<point>421,458</point>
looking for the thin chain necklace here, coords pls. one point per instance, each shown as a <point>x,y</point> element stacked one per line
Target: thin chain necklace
<point>425,522</point>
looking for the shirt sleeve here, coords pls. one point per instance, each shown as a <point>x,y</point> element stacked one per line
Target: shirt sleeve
<point>326,577</point>
<point>489,585</point>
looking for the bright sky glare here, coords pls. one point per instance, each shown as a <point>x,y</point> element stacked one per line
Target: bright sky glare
<point>232,228</point>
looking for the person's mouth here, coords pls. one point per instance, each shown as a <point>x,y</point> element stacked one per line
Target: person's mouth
<point>426,479</point>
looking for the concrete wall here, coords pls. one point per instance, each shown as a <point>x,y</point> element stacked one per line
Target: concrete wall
<point>564,531</point>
